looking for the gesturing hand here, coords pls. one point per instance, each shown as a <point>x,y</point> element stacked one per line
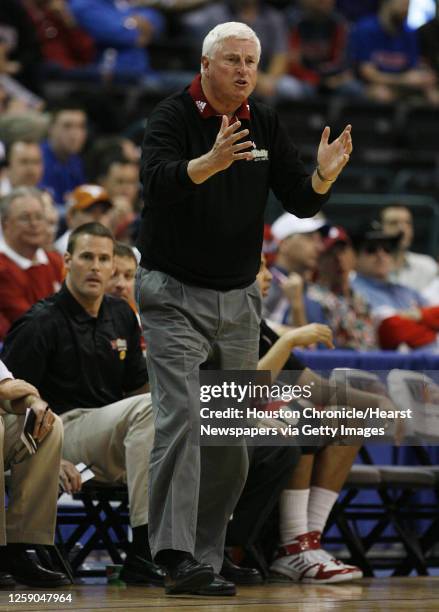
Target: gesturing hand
<point>226,149</point>
<point>332,158</point>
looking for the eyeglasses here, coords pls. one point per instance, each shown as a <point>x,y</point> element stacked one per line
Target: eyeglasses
<point>372,249</point>
<point>25,219</point>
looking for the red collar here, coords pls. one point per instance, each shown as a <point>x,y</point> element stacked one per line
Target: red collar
<point>205,109</point>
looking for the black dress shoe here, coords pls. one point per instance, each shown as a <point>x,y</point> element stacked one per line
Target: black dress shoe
<point>187,576</point>
<point>6,581</point>
<point>137,570</point>
<point>240,575</point>
<point>219,587</point>
<point>29,572</point>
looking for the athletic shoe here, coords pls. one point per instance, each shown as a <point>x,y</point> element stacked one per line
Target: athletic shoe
<point>301,561</point>
<point>356,572</point>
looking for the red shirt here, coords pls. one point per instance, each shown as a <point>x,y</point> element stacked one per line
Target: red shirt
<point>22,284</point>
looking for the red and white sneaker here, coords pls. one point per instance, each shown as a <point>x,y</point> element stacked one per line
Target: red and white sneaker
<point>355,571</point>
<point>301,561</point>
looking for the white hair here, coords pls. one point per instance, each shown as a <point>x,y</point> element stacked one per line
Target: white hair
<point>230,29</point>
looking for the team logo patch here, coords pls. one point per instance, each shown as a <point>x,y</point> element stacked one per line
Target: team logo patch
<point>260,155</point>
<point>120,345</point>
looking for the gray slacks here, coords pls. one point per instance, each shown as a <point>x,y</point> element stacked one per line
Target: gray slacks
<point>193,490</point>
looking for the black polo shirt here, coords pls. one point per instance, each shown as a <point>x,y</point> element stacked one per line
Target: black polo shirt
<point>76,360</point>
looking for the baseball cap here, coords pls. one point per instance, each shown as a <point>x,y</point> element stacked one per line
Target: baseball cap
<point>84,196</point>
<point>336,235</point>
<point>288,224</point>
<point>372,232</point>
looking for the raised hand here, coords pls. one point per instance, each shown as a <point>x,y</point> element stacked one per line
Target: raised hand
<point>332,158</point>
<point>226,149</point>
<point>224,152</point>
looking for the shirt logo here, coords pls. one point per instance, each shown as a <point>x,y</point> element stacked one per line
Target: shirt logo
<point>120,345</point>
<point>201,105</point>
<point>260,155</point>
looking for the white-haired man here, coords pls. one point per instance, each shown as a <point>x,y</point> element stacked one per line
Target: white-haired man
<point>210,157</point>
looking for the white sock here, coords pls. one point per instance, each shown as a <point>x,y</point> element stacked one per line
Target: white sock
<point>293,514</point>
<point>319,507</point>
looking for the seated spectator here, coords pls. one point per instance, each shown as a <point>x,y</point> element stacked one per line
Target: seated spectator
<point>411,269</point>
<point>299,246</point>
<point>317,479</point>
<point>86,204</point>
<point>82,350</point>
<point>119,176</point>
<point>318,51</point>
<point>24,166</point>
<point>400,313</point>
<point>33,491</point>
<point>346,313</point>
<point>121,283</point>
<point>385,52</point>
<point>122,33</point>
<point>428,39</point>
<point>64,45</point>
<point>63,166</point>
<point>107,147</point>
<point>27,272</point>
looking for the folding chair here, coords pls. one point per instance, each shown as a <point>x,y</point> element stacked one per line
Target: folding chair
<point>100,523</point>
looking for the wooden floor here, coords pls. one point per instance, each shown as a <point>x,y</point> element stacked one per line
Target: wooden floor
<point>419,594</point>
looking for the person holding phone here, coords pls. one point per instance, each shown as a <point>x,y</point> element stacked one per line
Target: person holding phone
<point>33,488</point>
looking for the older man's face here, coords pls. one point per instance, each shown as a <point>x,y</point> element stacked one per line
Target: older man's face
<point>232,71</point>
<point>25,226</point>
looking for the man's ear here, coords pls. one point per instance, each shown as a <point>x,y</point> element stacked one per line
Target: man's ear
<point>67,260</point>
<point>205,64</point>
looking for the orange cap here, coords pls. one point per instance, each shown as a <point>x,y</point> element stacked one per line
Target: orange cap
<point>84,196</point>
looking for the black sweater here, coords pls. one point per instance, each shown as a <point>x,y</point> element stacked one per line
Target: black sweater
<point>210,235</point>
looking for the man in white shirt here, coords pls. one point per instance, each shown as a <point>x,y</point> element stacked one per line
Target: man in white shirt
<point>413,270</point>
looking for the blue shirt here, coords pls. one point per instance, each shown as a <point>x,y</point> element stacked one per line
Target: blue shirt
<point>108,23</point>
<point>380,293</point>
<point>61,176</point>
<point>389,53</point>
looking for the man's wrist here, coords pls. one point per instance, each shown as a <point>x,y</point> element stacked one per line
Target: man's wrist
<point>322,177</point>
<point>199,169</point>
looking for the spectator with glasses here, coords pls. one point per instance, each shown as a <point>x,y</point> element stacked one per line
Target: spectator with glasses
<point>27,272</point>
<point>400,314</point>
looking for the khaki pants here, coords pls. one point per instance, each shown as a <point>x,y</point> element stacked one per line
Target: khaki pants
<point>115,441</point>
<point>33,493</point>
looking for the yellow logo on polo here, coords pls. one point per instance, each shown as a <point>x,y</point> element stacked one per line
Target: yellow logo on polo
<point>120,345</point>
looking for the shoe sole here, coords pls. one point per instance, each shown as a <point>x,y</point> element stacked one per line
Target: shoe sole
<point>275,577</point>
<point>225,593</point>
<point>194,582</point>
